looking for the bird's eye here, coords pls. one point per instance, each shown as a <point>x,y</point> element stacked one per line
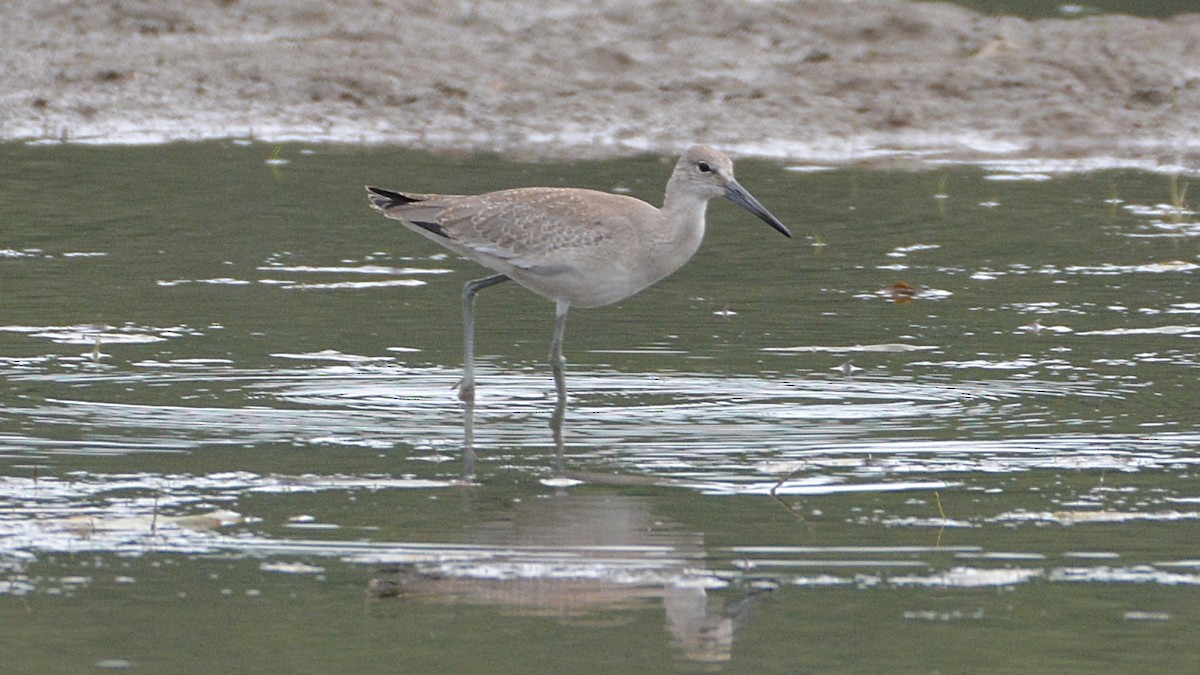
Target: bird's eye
<point>704,167</point>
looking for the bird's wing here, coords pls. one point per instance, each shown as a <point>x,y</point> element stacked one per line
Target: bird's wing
<point>525,227</point>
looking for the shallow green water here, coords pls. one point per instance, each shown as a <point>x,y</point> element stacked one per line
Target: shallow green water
<point>227,426</point>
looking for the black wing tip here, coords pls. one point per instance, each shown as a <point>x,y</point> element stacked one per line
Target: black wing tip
<point>385,199</point>
<point>435,228</point>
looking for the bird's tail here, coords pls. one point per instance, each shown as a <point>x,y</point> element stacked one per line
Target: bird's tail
<point>385,199</point>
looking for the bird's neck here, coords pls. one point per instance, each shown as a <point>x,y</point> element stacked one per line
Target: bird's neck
<point>685,220</point>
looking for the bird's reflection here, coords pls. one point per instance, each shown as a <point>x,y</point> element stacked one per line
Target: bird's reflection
<point>556,431</point>
<point>571,554</point>
<point>468,441</point>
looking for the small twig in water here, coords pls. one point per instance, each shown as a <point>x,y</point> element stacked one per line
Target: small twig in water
<point>775,494</point>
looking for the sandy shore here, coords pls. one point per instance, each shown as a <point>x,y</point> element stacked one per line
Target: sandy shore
<point>807,80</point>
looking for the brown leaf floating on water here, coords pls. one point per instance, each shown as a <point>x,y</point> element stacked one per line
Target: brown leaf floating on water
<point>902,292</point>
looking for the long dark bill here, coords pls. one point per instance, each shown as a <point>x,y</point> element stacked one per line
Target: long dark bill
<point>738,195</point>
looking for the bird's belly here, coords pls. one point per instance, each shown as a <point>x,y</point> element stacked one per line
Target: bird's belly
<point>584,288</point>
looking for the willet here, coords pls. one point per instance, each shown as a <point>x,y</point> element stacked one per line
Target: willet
<point>578,248</point>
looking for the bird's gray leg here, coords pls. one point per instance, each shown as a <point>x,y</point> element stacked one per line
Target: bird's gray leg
<point>466,389</point>
<point>558,364</point>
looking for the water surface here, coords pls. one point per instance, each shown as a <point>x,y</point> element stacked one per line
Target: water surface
<point>949,426</point>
